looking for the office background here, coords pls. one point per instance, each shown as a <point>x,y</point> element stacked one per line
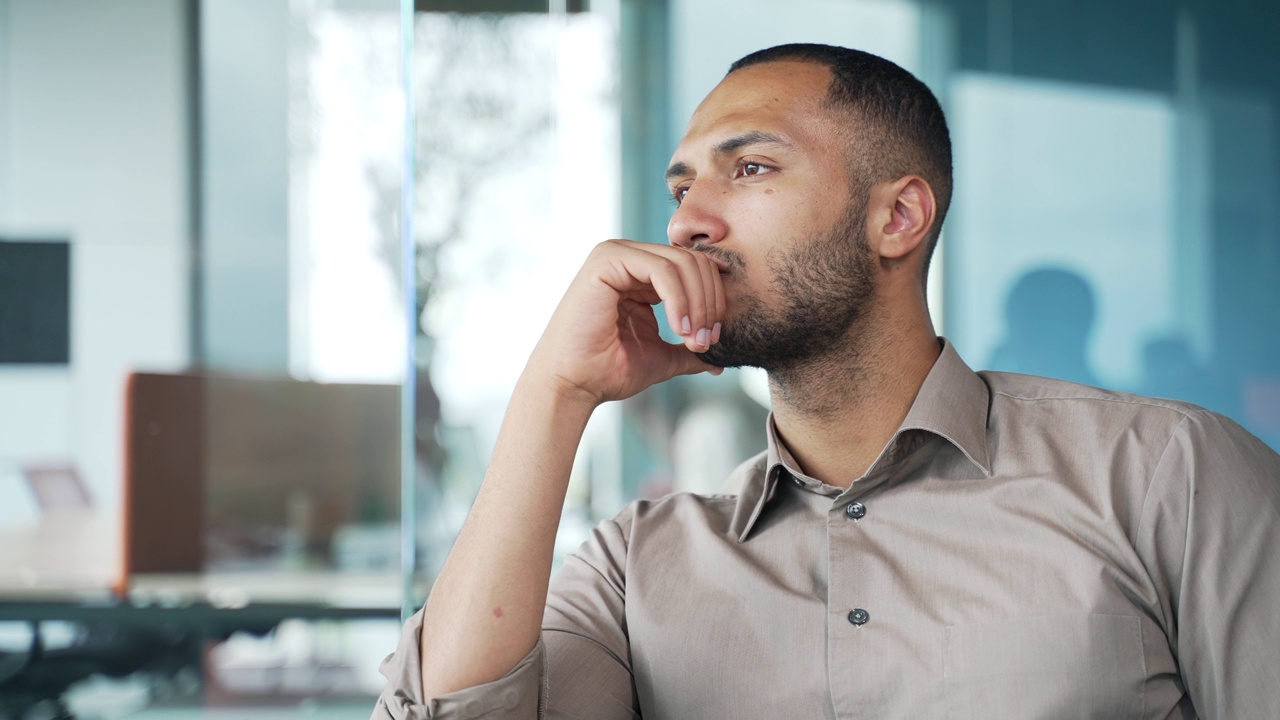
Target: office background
<point>344,264</point>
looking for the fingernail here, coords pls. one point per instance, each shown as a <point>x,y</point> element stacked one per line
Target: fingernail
<point>704,337</point>
<point>685,327</point>
<point>715,333</point>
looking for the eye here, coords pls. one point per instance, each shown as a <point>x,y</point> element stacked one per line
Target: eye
<point>678,193</point>
<point>752,169</point>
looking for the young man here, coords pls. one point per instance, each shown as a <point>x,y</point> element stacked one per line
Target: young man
<point>918,540</point>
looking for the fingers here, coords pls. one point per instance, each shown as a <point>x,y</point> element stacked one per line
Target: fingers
<point>687,282</point>
<point>684,362</point>
<point>715,297</point>
<point>713,301</point>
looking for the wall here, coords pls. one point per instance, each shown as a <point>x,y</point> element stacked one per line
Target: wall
<point>94,147</point>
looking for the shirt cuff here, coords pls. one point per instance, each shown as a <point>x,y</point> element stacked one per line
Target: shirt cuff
<point>515,695</point>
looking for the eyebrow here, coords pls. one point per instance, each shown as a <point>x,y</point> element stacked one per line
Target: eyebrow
<point>732,145</point>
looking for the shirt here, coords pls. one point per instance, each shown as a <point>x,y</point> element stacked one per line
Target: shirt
<point>1022,548</point>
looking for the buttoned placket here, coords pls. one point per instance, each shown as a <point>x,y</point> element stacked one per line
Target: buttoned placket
<point>853,640</point>
<point>855,576</point>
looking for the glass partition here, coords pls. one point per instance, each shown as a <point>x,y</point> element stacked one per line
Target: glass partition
<point>517,177</point>
<point>204,343</point>
<point>1115,220</point>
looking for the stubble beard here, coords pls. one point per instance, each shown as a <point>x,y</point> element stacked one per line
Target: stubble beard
<point>825,290</point>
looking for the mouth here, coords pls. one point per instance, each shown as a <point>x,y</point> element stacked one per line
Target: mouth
<point>722,263</point>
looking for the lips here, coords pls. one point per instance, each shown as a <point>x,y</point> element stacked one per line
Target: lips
<point>721,260</point>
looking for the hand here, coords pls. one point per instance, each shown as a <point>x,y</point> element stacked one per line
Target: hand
<point>602,342</point>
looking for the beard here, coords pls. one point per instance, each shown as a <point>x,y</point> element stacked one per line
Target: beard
<point>824,289</point>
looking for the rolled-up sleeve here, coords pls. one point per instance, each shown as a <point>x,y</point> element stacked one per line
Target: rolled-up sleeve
<point>515,695</point>
<point>580,667</point>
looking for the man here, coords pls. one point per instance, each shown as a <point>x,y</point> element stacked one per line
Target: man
<point>918,541</point>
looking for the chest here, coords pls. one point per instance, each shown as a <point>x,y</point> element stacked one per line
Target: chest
<point>904,607</point>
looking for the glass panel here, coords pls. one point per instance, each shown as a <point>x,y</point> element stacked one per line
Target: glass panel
<point>1054,259</point>
<point>517,178</point>
<point>1115,221</point>
<point>200,416</point>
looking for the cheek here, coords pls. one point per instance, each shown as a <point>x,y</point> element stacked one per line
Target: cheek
<point>768,216</point>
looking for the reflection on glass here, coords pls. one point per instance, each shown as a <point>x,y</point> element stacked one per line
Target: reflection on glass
<point>1049,317</point>
<point>1081,250</point>
<point>346,136</point>
<point>517,178</point>
<point>1066,177</point>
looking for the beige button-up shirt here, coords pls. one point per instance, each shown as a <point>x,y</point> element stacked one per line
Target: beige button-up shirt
<point>1022,548</point>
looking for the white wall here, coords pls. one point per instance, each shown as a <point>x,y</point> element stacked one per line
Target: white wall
<point>4,107</point>
<point>93,147</point>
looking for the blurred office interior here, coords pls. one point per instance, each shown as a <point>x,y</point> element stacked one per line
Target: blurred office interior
<point>269,271</point>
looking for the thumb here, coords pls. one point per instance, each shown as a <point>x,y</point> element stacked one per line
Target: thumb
<point>684,362</point>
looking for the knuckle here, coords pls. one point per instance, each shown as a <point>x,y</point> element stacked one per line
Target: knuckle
<point>668,268</point>
<point>601,250</point>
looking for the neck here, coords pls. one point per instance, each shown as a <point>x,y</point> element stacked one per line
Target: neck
<point>835,413</point>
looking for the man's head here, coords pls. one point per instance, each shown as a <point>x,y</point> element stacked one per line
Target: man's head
<point>821,219</point>
<point>895,125</point>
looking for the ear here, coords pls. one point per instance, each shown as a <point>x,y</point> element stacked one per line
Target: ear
<point>904,214</point>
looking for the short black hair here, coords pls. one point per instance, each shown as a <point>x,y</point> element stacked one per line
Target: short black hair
<point>904,131</point>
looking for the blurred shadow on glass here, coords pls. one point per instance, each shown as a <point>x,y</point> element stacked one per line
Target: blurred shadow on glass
<point>1049,316</point>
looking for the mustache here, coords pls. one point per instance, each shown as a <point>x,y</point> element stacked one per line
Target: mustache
<point>730,259</point>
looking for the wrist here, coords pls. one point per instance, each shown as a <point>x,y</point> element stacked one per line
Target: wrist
<point>553,393</point>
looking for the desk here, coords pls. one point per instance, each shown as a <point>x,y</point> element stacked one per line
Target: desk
<point>67,567</point>
<point>76,555</point>
<point>121,638</point>
<point>67,553</point>
<point>219,471</point>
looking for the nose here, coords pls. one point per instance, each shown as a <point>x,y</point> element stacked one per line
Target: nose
<point>699,219</point>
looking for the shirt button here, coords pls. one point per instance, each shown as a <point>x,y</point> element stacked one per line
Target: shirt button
<point>859,617</point>
<point>855,510</point>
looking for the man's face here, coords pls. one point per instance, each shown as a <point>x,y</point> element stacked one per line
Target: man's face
<point>764,188</point>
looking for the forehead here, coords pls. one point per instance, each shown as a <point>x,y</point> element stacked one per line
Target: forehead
<point>784,97</point>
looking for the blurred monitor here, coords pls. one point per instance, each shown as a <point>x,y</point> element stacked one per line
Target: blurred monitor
<point>35,302</point>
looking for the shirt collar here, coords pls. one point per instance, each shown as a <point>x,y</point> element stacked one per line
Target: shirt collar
<point>951,403</point>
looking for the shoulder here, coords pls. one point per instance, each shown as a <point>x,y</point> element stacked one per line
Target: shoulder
<point>672,512</point>
<point>1034,391</point>
<point>1080,415</point>
<point>680,515</point>
<point>1143,437</point>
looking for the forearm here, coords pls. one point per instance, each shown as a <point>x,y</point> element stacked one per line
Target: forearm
<point>485,609</point>
<point>602,343</point>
